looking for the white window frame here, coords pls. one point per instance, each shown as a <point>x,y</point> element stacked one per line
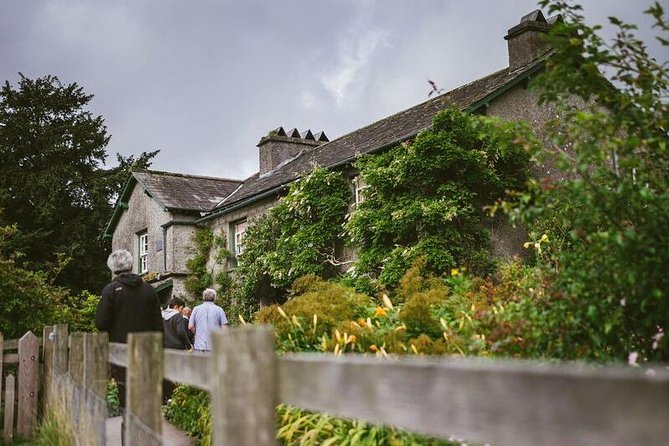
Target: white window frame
<point>143,244</point>
<point>359,187</point>
<point>238,233</point>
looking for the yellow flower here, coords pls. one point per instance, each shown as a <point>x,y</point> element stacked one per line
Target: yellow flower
<point>544,238</point>
<point>526,245</point>
<point>282,313</point>
<point>386,301</point>
<point>455,272</point>
<point>380,312</point>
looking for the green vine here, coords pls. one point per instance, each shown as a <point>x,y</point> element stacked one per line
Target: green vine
<point>199,278</point>
<point>426,198</point>
<point>297,237</point>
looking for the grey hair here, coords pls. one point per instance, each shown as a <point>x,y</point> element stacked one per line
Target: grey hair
<point>209,295</point>
<point>120,261</point>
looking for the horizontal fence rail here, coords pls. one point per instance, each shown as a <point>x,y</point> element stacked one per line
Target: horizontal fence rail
<point>501,402</point>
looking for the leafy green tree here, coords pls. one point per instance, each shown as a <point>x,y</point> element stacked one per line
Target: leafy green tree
<point>606,223</point>
<point>297,237</point>
<point>426,198</point>
<point>53,185</point>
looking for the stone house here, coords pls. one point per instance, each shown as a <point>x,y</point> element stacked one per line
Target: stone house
<point>158,213</point>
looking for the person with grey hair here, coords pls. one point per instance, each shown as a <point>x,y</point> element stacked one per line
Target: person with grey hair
<point>128,305</point>
<point>206,318</point>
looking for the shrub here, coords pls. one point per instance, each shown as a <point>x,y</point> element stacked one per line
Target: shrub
<point>425,198</point>
<point>190,411</point>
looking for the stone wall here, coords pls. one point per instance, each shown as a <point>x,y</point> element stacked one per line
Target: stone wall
<point>143,213</point>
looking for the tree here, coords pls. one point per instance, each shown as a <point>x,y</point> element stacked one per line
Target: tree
<point>426,197</point>
<point>606,225</point>
<point>54,186</point>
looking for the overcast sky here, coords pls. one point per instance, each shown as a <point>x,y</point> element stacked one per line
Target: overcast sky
<point>203,80</point>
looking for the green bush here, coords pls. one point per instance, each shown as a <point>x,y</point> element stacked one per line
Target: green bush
<point>605,223</point>
<point>426,198</point>
<point>190,411</point>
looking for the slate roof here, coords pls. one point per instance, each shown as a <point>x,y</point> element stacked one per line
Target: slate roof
<point>185,192</point>
<point>381,134</point>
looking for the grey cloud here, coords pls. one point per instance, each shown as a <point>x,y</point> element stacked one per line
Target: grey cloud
<point>204,80</point>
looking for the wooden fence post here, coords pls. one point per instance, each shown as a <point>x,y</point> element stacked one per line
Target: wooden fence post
<point>28,385</point>
<point>60,349</point>
<point>143,421</point>
<point>244,391</point>
<point>2,353</point>
<point>48,338</point>
<point>96,352</point>
<point>76,358</point>
<point>8,432</point>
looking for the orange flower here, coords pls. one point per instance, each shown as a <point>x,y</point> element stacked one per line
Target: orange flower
<point>380,312</point>
<point>373,348</point>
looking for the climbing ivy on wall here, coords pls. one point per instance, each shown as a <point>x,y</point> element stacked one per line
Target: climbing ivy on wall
<point>297,237</point>
<point>426,198</point>
<point>199,278</point>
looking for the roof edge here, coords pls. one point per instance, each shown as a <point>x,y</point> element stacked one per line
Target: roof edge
<point>524,73</point>
<point>118,206</point>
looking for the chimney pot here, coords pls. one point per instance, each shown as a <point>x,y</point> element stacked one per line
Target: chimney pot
<point>280,146</point>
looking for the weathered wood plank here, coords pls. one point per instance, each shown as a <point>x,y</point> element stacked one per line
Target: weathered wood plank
<point>13,344</point>
<point>11,358</point>
<point>26,420</point>
<point>190,368</point>
<point>118,354</point>
<point>60,355</point>
<point>8,432</point>
<point>96,353</point>
<point>503,403</point>
<point>144,389</point>
<point>47,361</point>
<point>184,367</point>
<point>2,352</point>
<point>244,380</point>
<point>76,357</point>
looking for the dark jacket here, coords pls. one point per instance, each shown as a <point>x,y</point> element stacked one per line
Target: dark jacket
<point>128,305</point>
<point>176,330</point>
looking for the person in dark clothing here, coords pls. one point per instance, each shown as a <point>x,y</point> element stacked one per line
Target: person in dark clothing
<point>128,305</point>
<point>176,336</point>
<point>176,326</point>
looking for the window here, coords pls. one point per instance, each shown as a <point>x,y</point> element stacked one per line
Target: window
<point>143,264</point>
<point>238,238</point>
<point>360,186</point>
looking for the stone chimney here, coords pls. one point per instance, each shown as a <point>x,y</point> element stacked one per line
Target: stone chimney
<point>280,146</point>
<point>526,40</point>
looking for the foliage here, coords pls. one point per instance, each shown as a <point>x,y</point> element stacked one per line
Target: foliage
<point>53,187</point>
<point>53,430</point>
<point>306,428</point>
<point>190,411</point>
<point>78,312</point>
<point>426,198</point>
<point>297,237</point>
<point>302,321</point>
<point>605,223</point>
<point>113,403</point>
<point>199,278</point>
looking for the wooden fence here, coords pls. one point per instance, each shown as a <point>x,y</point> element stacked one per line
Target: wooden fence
<point>496,402</point>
